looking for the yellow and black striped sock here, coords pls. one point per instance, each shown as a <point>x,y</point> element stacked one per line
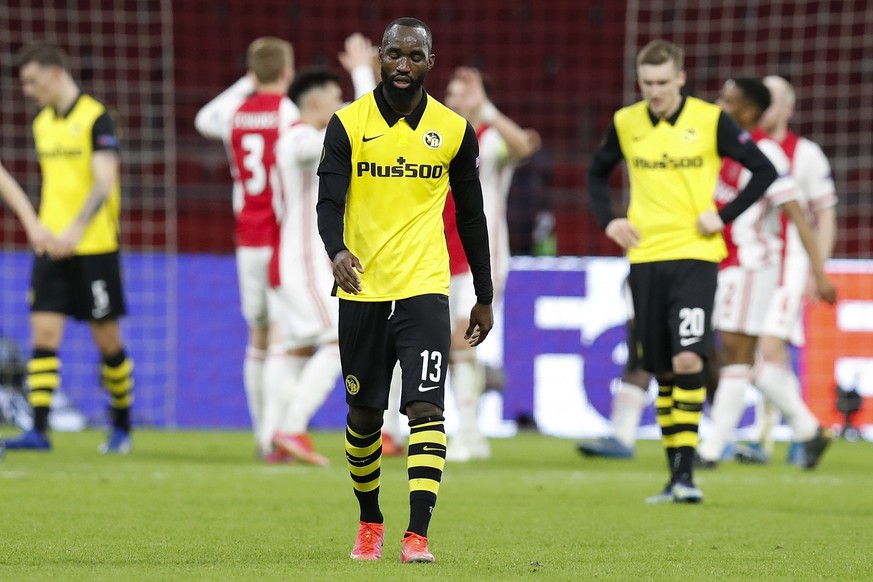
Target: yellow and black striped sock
<point>664,415</point>
<point>117,378</point>
<point>426,458</point>
<point>689,393</point>
<point>364,456</point>
<point>43,378</point>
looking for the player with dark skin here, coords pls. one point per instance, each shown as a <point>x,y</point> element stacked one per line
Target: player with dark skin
<point>406,58</point>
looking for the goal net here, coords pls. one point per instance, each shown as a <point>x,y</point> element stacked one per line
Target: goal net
<point>121,53</point>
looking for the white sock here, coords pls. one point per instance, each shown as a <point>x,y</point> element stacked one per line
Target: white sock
<point>767,417</point>
<point>780,385</point>
<point>391,423</point>
<point>627,409</point>
<point>280,376</point>
<point>312,387</point>
<point>253,381</point>
<point>467,385</point>
<point>727,410</point>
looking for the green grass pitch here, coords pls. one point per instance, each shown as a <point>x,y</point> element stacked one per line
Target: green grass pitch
<point>197,506</point>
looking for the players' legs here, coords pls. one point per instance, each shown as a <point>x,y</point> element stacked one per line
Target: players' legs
<point>43,369</point>
<point>467,375</point>
<point>422,329</point>
<point>741,306</point>
<point>252,269</point>
<point>689,394</point>
<point>363,445</point>
<point>391,434</point>
<point>116,371</point>
<point>253,373</point>
<point>628,404</point>
<point>367,356</point>
<point>736,357</point>
<point>468,383</point>
<point>308,391</point>
<point>280,374</point>
<point>777,382</point>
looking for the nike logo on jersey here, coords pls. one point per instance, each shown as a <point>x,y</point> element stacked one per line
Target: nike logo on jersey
<point>366,139</point>
<point>687,341</point>
<point>430,449</point>
<point>422,388</point>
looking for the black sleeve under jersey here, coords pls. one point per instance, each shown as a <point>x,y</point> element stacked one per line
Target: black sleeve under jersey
<point>470,214</point>
<point>334,177</point>
<point>604,161</point>
<point>737,144</point>
<point>103,136</point>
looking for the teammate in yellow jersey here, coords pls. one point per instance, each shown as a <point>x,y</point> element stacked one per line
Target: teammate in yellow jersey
<point>388,161</point>
<point>673,146</point>
<point>80,276</point>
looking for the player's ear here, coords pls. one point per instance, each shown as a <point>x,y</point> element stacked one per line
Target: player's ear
<point>682,78</point>
<point>430,61</point>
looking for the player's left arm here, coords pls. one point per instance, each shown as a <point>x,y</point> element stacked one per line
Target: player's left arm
<point>105,170</point>
<point>824,287</point>
<point>473,232</point>
<point>822,197</point>
<point>826,230</point>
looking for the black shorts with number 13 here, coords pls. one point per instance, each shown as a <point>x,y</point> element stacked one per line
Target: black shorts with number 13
<point>374,335</point>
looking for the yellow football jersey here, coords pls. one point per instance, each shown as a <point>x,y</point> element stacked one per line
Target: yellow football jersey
<point>399,181</point>
<point>673,170</point>
<point>64,145</point>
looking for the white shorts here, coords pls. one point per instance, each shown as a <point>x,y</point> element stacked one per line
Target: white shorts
<point>462,296</point>
<point>784,316</point>
<point>252,266</point>
<point>303,309</point>
<point>743,298</point>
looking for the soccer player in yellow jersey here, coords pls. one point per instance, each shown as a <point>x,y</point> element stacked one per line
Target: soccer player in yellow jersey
<point>80,276</point>
<point>673,146</point>
<point>388,161</point>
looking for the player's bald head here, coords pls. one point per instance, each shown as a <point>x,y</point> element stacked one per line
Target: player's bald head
<point>394,27</point>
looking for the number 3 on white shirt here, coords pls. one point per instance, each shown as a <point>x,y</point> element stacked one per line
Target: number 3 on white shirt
<point>253,145</point>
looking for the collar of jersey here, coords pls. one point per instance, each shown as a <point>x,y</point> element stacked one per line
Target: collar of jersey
<point>391,117</point>
<point>672,119</point>
<point>65,114</point>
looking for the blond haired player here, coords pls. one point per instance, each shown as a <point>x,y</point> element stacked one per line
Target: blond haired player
<point>249,117</point>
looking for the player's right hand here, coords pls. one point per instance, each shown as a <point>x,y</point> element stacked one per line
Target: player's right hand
<point>41,238</point>
<point>623,233</point>
<point>481,322</point>
<point>346,267</point>
<point>825,290</point>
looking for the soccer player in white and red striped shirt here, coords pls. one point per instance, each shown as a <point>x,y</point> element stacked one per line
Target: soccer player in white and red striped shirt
<point>249,117</point>
<point>817,195</point>
<point>749,277</point>
<point>503,144</point>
